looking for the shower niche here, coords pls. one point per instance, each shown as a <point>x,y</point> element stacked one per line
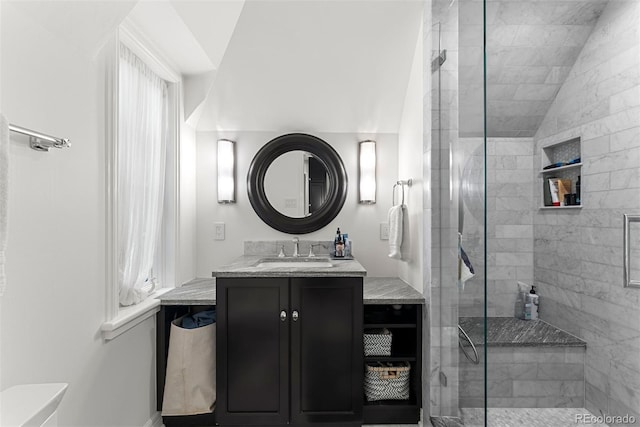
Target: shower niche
<point>560,171</point>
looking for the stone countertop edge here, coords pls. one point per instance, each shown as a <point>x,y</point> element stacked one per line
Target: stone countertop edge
<point>244,266</point>
<point>377,290</point>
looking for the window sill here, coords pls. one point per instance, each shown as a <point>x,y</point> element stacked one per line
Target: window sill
<point>128,317</point>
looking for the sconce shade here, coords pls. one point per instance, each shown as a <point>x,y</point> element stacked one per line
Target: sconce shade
<point>226,171</point>
<point>367,172</point>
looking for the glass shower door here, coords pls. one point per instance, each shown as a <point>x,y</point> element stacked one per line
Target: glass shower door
<point>458,291</point>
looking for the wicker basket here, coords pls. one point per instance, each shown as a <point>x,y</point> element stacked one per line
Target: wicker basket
<point>378,343</point>
<point>387,382</point>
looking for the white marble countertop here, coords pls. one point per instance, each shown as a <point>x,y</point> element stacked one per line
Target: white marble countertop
<point>377,290</point>
<point>246,266</point>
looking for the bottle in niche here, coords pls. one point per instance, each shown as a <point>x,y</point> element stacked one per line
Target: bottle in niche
<point>578,191</point>
<point>531,305</point>
<point>520,305</point>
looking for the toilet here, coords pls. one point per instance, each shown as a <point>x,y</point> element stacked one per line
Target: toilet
<point>31,405</point>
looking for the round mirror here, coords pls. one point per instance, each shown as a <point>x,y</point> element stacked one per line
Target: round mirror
<point>297,183</point>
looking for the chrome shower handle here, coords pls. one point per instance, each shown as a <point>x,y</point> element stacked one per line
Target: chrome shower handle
<point>475,360</point>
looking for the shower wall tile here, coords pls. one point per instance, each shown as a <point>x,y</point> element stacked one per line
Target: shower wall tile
<point>578,254</point>
<point>525,377</point>
<point>625,139</point>
<point>510,201</point>
<point>514,231</point>
<point>618,408</point>
<point>595,398</point>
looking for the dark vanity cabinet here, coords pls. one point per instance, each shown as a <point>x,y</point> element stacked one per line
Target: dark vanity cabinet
<point>289,351</point>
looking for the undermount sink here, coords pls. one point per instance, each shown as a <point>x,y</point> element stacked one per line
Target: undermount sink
<point>306,262</point>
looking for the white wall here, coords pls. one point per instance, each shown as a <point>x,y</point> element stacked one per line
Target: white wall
<point>54,304</point>
<point>410,167</point>
<point>1,98</point>
<point>242,223</point>
<point>188,210</point>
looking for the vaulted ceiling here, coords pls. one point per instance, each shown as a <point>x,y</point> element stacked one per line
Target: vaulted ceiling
<point>271,65</point>
<point>333,66</point>
<point>341,65</point>
<point>531,47</point>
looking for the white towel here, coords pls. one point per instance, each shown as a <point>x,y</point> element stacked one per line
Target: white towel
<point>395,231</point>
<point>4,196</point>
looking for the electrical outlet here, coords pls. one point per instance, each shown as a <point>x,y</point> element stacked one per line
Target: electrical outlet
<point>219,231</point>
<point>384,231</point>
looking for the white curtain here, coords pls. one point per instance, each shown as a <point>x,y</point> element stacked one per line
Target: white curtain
<point>142,135</point>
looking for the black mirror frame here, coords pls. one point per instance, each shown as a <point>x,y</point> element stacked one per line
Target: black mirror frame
<point>338,183</point>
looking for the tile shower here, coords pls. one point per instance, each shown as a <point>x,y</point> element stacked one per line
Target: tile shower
<point>579,78</point>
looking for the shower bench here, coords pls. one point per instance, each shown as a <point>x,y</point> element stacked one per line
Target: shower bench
<point>530,364</point>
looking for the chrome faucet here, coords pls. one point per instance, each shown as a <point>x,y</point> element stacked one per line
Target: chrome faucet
<point>296,248</point>
<point>311,253</point>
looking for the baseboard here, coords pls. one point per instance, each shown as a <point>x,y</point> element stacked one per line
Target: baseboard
<point>154,421</point>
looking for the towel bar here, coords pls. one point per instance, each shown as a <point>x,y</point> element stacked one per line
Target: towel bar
<point>40,141</point>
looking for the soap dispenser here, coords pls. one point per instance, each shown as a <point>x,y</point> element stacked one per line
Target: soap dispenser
<point>339,244</point>
<point>531,305</point>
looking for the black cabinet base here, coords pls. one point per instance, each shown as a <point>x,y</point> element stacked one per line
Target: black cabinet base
<point>209,420</point>
<point>199,420</point>
<point>341,424</point>
<point>387,414</point>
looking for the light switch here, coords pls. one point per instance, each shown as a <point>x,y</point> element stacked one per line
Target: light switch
<point>384,231</point>
<point>219,231</point>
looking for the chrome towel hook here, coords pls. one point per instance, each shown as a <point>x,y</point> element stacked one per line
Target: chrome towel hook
<point>400,183</point>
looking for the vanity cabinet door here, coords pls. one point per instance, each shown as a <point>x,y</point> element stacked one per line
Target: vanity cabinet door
<point>252,351</point>
<point>326,350</point>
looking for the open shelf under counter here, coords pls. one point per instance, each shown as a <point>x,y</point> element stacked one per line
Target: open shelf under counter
<point>404,322</point>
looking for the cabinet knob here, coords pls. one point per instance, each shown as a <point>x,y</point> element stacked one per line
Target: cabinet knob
<point>283,315</point>
<point>295,315</point>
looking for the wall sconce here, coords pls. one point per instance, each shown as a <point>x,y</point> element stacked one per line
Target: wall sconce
<point>367,171</point>
<point>226,171</point>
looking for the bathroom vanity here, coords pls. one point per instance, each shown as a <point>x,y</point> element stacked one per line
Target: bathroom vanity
<point>290,343</point>
<point>303,317</point>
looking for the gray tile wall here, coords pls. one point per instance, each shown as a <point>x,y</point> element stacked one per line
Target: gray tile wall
<point>510,204</point>
<point>578,253</point>
<point>525,377</point>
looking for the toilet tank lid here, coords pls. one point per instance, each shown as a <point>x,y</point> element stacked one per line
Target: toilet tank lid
<point>29,405</point>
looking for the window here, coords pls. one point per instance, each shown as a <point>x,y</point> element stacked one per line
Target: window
<point>141,183</point>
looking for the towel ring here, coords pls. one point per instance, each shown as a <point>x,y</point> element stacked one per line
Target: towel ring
<point>400,183</point>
